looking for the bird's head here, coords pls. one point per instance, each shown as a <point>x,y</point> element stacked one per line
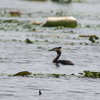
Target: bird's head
<point>57,49</point>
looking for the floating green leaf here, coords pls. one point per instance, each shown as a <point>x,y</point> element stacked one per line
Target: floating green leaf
<point>28,40</point>
<point>92,74</point>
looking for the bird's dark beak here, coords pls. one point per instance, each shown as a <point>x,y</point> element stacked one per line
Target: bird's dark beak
<point>51,50</point>
<point>55,49</point>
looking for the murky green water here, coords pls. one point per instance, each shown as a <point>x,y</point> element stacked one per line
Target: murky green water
<point>16,55</point>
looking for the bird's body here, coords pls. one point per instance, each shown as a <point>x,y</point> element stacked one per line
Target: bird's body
<point>64,62</point>
<point>56,61</point>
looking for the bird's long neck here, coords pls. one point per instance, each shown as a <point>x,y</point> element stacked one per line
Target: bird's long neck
<point>57,57</point>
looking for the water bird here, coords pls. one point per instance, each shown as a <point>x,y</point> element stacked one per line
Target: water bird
<point>40,92</point>
<point>56,61</point>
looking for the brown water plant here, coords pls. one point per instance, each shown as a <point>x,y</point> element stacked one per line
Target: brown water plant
<point>23,73</point>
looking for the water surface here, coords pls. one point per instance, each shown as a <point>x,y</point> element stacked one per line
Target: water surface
<point>18,56</point>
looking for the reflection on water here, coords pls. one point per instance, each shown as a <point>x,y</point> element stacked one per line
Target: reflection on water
<point>18,56</point>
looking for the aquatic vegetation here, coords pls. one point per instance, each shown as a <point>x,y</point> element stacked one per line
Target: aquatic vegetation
<point>62,1</point>
<point>73,74</point>
<point>92,38</point>
<point>23,73</point>
<point>18,25</point>
<point>38,75</point>
<point>89,36</point>
<point>80,1</point>
<point>28,41</point>
<point>11,21</point>
<point>15,13</point>
<point>49,75</point>
<point>83,1</point>
<point>40,47</point>
<point>92,74</point>
<point>35,0</point>
<point>10,40</point>
<point>89,74</point>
